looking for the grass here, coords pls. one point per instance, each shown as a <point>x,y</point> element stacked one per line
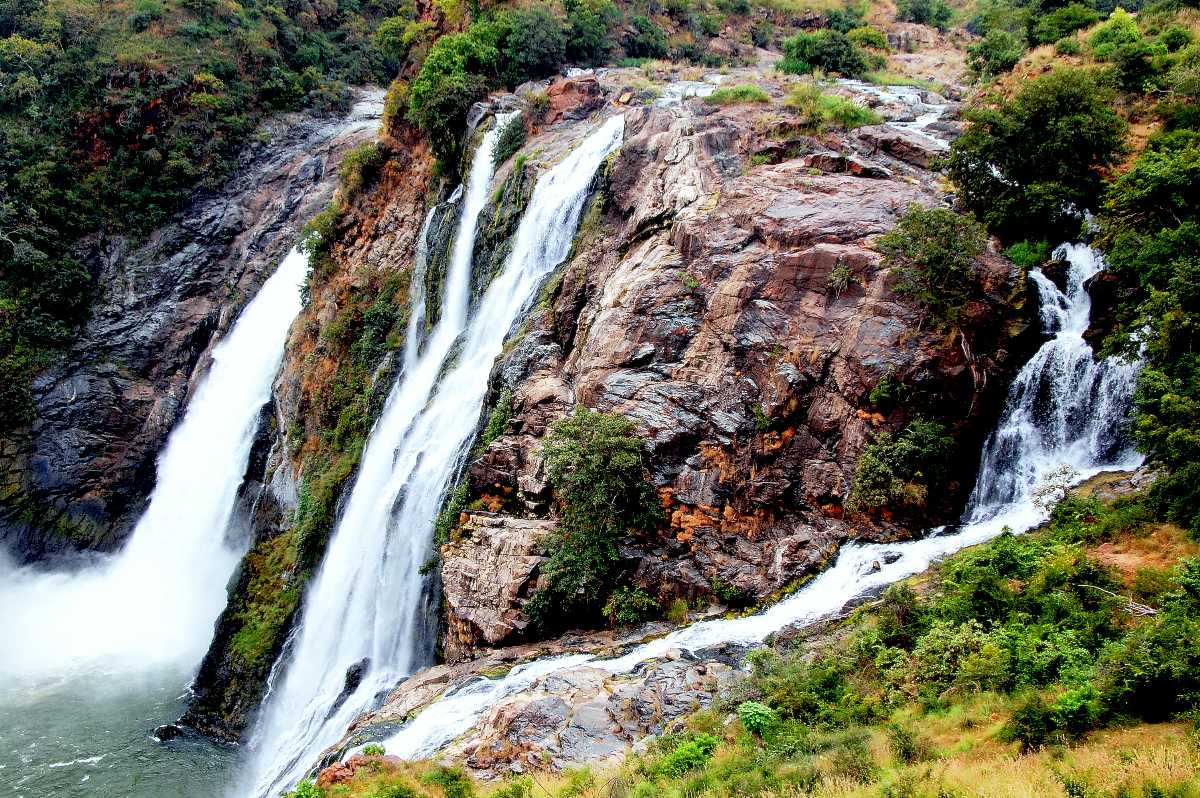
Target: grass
<point>736,95</point>
<point>821,111</point>
<point>884,78</point>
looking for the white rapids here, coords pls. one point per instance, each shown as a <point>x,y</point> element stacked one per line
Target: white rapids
<point>1065,409</point>
<point>366,606</point>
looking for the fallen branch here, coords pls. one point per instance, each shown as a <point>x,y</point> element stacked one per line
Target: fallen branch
<point>1131,606</point>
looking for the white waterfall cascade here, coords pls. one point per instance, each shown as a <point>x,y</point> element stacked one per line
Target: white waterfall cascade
<point>153,604</point>
<point>1064,409</point>
<point>366,604</point>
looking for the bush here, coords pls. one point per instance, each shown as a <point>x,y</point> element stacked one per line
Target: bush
<point>628,606</point>
<point>690,754</point>
<point>907,747</point>
<point>1120,28</point>
<point>932,253</point>
<point>598,471</point>
<point>822,110</point>
<point>827,50</point>
<point>995,54</point>
<point>1068,46</point>
<point>645,40</point>
<point>757,718</point>
<point>1064,21</point>
<point>734,95</point>
<point>359,167</point>
<point>511,139</point>
<point>1028,166</point>
<point>589,30</point>
<point>843,19</point>
<point>898,471</point>
<point>936,13</point>
<point>454,782</point>
<point>531,41</point>
<point>373,750</point>
<point>1028,254</point>
<point>868,36</point>
<point>449,83</point>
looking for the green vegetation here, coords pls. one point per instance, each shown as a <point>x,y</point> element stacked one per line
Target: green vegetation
<point>631,605</point>
<point>598,471</point>
<point>936,13</point>
<point>821,111</point>
<point>1028,254</point>
<point>898,472</point>
<point>111,114</point>
<point>1019,664</point>
<point>511,139</point>
<point>1151,230</point>
<point>827,50</point>
<point>994,54</point>
<point>932,253</point>
<point>1028,167</point>
<point>735,95</point>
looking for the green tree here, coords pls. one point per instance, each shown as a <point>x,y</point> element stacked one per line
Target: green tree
<point>936,13</point>
<point>828,50</point>
<point>1064,21</point>
<point>932,253</point>
<point>450,81</point>
<point>994,54</point>
<point>1030,166</point>
<point>645,39</point>
<point>597,468</point>
<point>589,30</point>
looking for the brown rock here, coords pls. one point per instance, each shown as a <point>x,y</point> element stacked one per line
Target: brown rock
<point>573,98</point>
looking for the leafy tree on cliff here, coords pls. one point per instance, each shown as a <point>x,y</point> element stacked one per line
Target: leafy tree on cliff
<point>1030,166</point>
<point>598,470</point>
<point>932,252</point>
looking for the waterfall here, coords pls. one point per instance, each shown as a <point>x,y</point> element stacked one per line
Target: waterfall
<point>366,605</point>
<point>153,604</point>
<point>1064,409</point>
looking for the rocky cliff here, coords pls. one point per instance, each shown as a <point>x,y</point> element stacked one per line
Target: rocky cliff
<point>78,477</point>
<point>701,302</point>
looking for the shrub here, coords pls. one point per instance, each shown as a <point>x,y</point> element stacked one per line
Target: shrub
<point>373,750</point>
<point>822,110</point>
<point>306,789</point>
<point>995,54</point>
<point>1028,254</point>
<point>1030,165</point>
<point>449,83</point>
<point>1068,46</point>
<point>628,606</point>
<point>827,50</point>
<point>531,41</point>
<point>690,754</point>
<point>733,95</point>
<point>868,36</point>
<point>454,782</point>
<point>589,30</point>
<point>936,13</point>
<point>1120,28</point>
<point>843,19</point>
<point>359,167</point>
<point>598,471</point>
<point>645,39</point>
<point>898,471</point>
<point>1064,21</point>
<point>511,139</point>
<point>932,253</point>
<point>888,392</point>
<point>757,718</point>
<point>907,746</point>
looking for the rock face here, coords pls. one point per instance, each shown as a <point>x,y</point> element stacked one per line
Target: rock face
<point>741,315</point>
<point>488,576</point>
<point>78,478</point>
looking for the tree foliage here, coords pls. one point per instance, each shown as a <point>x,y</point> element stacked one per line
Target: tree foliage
<point>1028,167</point>
<point>597,467</point>
<point>828,50</point>
<point>932,252</point>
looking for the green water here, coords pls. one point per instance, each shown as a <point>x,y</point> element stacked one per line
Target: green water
<point>91,736</point>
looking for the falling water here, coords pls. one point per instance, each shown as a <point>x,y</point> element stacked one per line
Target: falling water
<point>153,604</point>
<point>93,660</point>
<point>1065,409</point>
<point>366,605</point>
